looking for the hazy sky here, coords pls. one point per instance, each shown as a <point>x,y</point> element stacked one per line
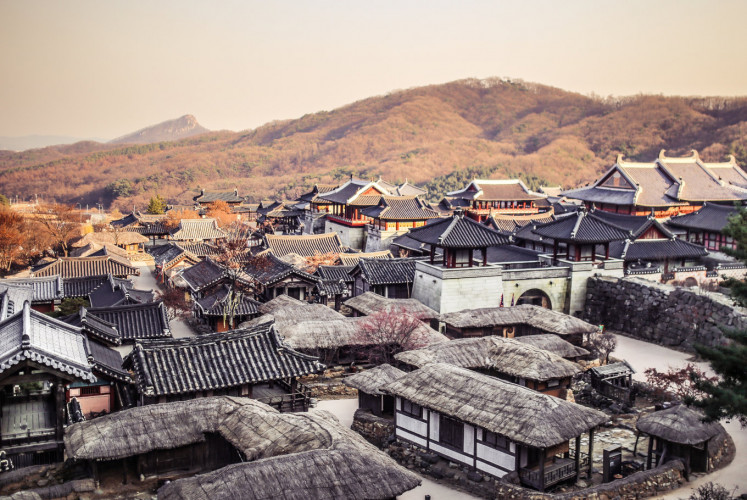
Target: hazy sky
<point>107,68</point>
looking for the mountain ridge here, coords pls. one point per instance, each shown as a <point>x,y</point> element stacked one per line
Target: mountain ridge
<point>498,127</point>
<point>169,130</point>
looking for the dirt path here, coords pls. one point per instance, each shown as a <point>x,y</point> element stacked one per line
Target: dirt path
<point>642,355</point>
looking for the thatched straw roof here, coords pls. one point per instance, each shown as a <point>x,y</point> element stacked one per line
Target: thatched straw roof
<point>538,317</point>
<point>554,344</point>
<point>497,353</point>
<point>370,303</point>
<point>522,415</point>
<point>289,455</point>
<point>371,381</point>
<point>678,424</point>
<point>332,334</point>
<point>292,314</point>
<point>111,238</point>
<point>280,302</point>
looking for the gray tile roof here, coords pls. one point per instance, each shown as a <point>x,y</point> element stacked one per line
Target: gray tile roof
<point>458,232</point>
<point>216,361</point>
<point>400,208</point>
<point>582,227</point>
<point>45,289</point>
<point>335,273</point>
<point>197,229</point>
<point>94,326</point>
<point>81,287</point>
<point>304,245</point>
<point>268,270</point>
<point>108,362</point>
<point>497,190</point>
<point>31,336</point>
<point>386,271</point>
<point>115,292</point>
<point>345,192</point>
<point>215,304</point>
<point>658,249</point>
<point>203,274</point>
<point>211,196</point>
<point>711,217</point>
<point>80,267</point>
<point>136,321</point>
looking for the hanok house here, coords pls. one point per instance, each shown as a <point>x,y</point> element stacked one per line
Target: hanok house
<point>462,279</point>
<point>205,198</point>
<point>584,236</point>
<point>203,278</point>
<point>369,384</point>
<point>391,278</point>
<point>84,285</point>
<point>392,216</point>
<point>285,217</point>
<point>666,187</point>
<point>335,285</point>
<point>343,341</point>
<point>705,226</point>
<point>136,321</point>
<point>352,258</point>
<point>280,278</point>
<point>40,357</point>
<point>129,241</point>
<point>517,321</point>
<point>614,380</point>
<point>82,267</point>
<point>118,292</point>
<point>251,449</point>
<point>506,359</point>
<point>248,362</point>
<point>493,426</point>
<point>197,230</point>
<point>680,433</point>
<point>215,309</point>
<point>346,216</point>
<point>484,197</point>
<point>47,291</point>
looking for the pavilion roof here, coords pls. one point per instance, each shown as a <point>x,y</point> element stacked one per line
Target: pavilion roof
<point>582,227</point>
<point>458,231</point>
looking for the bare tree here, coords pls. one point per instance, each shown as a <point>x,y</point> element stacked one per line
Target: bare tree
<point>234,256</point>
<point>320,259</point>
<point>175,302</point>
<point>602,346</point>
<point>388,332</point>
<point>11,236</point>
<point>61,222</point>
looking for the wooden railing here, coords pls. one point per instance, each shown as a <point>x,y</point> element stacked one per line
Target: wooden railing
<point>298,400</point>
<point>560,470</point>
<point>583,462</point>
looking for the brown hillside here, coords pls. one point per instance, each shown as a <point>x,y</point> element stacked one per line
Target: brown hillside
<point>428,134</point>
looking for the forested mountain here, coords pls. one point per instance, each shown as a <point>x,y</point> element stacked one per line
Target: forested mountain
<point>432,134</point>
<point>170,130</point>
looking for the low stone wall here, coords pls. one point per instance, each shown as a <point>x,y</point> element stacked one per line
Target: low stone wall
<point>329,385</point>
<point>377,430</point>
<point>642,484</point>
<point>663,314</point>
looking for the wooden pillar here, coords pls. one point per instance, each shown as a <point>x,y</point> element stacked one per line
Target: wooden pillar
<point>607,250</point>
<point>591,451</point>
<point>542,470</point>
<point>470,255</point>
<point>433,253</point>
<point>578,456</point>
<point>650,452</point>
<point>484,257</point>
<point>555,252</point>
<point>60,409</point>
<point>517,458</point>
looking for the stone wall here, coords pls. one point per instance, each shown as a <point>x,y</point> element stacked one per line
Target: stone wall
<point>377,430</point>
<point>642,484</point>
<point>663,314</point>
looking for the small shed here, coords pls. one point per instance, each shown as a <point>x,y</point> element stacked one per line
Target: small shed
<point>679,433</point>
<point>554,344</point>
<point>369,384</point>
<point>614,380</point>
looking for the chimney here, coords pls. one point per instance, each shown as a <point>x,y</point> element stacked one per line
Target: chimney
<point>235,191</point>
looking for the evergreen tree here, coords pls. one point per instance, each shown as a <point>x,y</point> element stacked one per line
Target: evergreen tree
<point>727,398</point>
<point>157,205</point>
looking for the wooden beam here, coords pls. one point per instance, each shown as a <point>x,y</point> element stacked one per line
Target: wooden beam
<point>542,469</point>
<point>591,450</point>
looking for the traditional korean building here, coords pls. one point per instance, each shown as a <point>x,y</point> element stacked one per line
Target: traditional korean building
<point>352,258</point>
<point>280,278</point>
<point>705,226</point>
<point>391,278</point>
<point>506,359</point>
<point>214,309</point>
<point>482,198</point>
<point>82,286</point>
<point>205,198</point>
<point>252,362</point>
<point>169,259</point>
<point>84,267</point>
<point>335,285</point>
<point>462,279</point>
<point>493,426</point>
<point>285,218</point>
<point>392,216</point>
<point>118,292</point>
<point>369,384</point>
<point>46,291</point>
<point>370,303</point>
<point>40,357</point>
<point>315,208</point>
<point>129,241</point>
<point>225,447</point>
<point>346,204</point>
<point>666,187</point>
